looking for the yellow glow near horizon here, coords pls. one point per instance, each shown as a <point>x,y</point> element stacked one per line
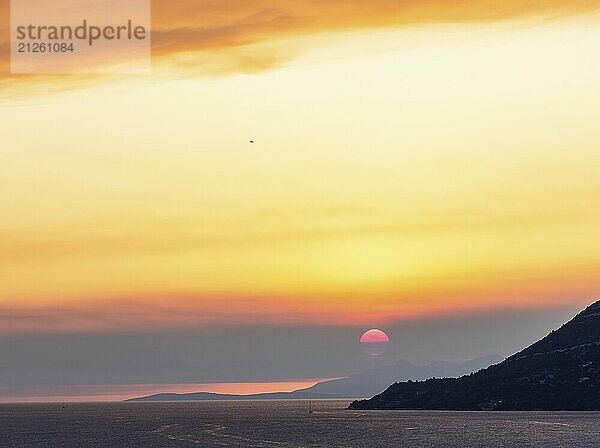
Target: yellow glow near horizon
<point>440,168</point>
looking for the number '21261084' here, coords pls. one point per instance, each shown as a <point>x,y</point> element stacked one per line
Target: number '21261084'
<point>42,47</point>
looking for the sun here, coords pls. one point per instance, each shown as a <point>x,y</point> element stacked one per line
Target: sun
<point>374,342</point>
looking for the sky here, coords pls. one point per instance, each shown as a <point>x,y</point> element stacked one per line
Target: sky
<point>429,168</point>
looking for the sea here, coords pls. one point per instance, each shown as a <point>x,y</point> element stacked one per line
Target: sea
<point>284,424</point>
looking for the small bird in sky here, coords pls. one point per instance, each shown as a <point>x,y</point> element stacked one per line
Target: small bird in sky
<point>251,141</point>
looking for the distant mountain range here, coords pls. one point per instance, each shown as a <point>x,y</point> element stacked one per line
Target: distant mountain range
<point>365,384</point>
<point>559,372</point>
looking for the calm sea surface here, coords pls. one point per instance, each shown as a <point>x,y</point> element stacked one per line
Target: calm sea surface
<point>285,424</point>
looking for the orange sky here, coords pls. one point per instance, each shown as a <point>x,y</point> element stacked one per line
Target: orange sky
<point>248,36</point>
<point>412,158</point>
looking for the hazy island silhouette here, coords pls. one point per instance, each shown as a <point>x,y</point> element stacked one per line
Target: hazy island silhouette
<point>360,385</point>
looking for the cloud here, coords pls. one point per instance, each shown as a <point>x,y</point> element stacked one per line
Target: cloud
<point>103,239</point>
<point>212,310</point>
<point>192,25</point>
<point>248,36</point>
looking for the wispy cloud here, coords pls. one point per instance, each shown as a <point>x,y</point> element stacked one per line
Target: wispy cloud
<point>248,36</point>
<point>192,25</point>
<point>102,238</point>
<point>209,310</point>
